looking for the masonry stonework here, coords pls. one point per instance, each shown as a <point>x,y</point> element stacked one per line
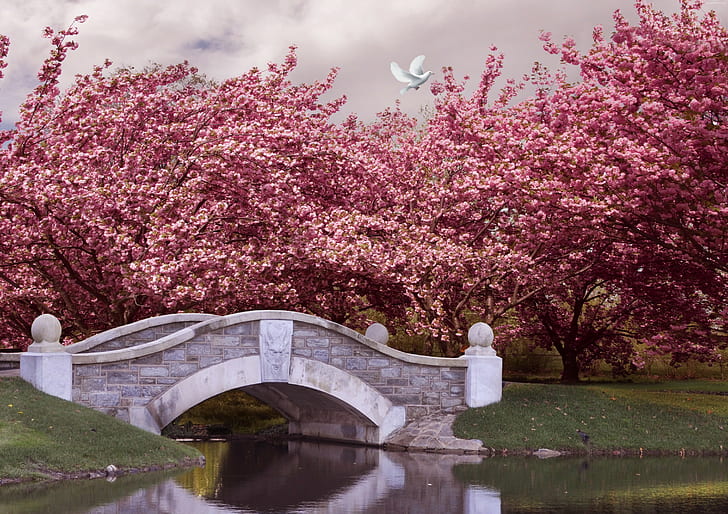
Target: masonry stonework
<point>116,386</point>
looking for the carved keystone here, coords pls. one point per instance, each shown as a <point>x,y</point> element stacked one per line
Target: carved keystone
<point>275,349</point>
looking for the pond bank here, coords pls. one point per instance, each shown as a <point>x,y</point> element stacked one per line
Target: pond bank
<point>44,438</point>
<point>50,475</point>
<point>435,435</point>
<point>610,419</point>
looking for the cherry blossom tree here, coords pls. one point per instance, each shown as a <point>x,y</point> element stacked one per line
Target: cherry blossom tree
<point>514,201</point>
<point>453,227</point>
<point>137,193</point>
<point>638,150</point>
<point>654,95</point>
<point>619,310</point>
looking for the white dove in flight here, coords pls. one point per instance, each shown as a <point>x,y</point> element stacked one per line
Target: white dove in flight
<point>415,77</point>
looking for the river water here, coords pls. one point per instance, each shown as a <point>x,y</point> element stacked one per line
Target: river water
<point>302,477</point>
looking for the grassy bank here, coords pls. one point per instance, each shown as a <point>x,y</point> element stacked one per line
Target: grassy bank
<point>43,437</point>
<point>672,417</point>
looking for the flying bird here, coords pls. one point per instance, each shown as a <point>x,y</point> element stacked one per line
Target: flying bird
<point>415,77</point>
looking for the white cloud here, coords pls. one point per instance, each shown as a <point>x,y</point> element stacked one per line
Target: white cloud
<point>227,37</point>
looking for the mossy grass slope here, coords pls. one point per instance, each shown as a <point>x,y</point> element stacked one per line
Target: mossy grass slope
<point>674,417</point>
<point>42,437</point>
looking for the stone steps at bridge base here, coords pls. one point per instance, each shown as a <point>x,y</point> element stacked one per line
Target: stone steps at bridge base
<point>431,434</point>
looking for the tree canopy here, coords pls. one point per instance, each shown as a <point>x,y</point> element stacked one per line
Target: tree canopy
<point>587,216</point>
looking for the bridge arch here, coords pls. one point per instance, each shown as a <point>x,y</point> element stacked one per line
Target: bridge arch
<point>342,407</point>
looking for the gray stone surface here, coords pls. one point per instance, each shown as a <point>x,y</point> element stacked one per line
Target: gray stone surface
<point>377,332</point>
<point>431,434</point>
<point>49,372</point>
<point>275,349</point>
<point>480,334</point>
<point>46,333</point>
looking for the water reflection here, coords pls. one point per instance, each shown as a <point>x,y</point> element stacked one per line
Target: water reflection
<point>296,477</point>
<point>277,478</point>
<point>665,484</point>
<point>311,477</point>
<point>81,496</point>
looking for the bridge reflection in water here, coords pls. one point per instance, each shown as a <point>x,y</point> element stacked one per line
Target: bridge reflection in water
<point>314,478</point>
<point>319,477</point>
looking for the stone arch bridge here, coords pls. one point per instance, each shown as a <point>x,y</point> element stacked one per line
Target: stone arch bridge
<point>329,381</point>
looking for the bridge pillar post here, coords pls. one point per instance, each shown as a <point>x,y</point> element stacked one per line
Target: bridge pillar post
<point>484,377</point>
<point>46,365</point>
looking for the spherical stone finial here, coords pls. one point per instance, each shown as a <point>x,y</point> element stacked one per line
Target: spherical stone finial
<point>46,329</point>
<point>378,333</point>
<point>46,334</point>
<point>480,337</point>
<point>480,334</point>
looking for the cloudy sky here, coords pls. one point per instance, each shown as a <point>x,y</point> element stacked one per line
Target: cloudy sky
<point>224,38</point>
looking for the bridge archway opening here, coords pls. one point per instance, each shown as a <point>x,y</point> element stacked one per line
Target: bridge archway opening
<point>234,412</point>
<point>318,400</point>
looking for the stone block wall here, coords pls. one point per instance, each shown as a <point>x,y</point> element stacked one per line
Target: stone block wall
<point>422,389</point>
<point>9,364</point>
<point>114,387</point>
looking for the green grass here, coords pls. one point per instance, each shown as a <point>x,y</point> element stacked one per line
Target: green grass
<point>653,418</point>
<point>42,436</point>
<point>235,410</point>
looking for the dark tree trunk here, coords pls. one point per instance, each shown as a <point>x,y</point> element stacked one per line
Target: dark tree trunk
<point>570,373</point>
